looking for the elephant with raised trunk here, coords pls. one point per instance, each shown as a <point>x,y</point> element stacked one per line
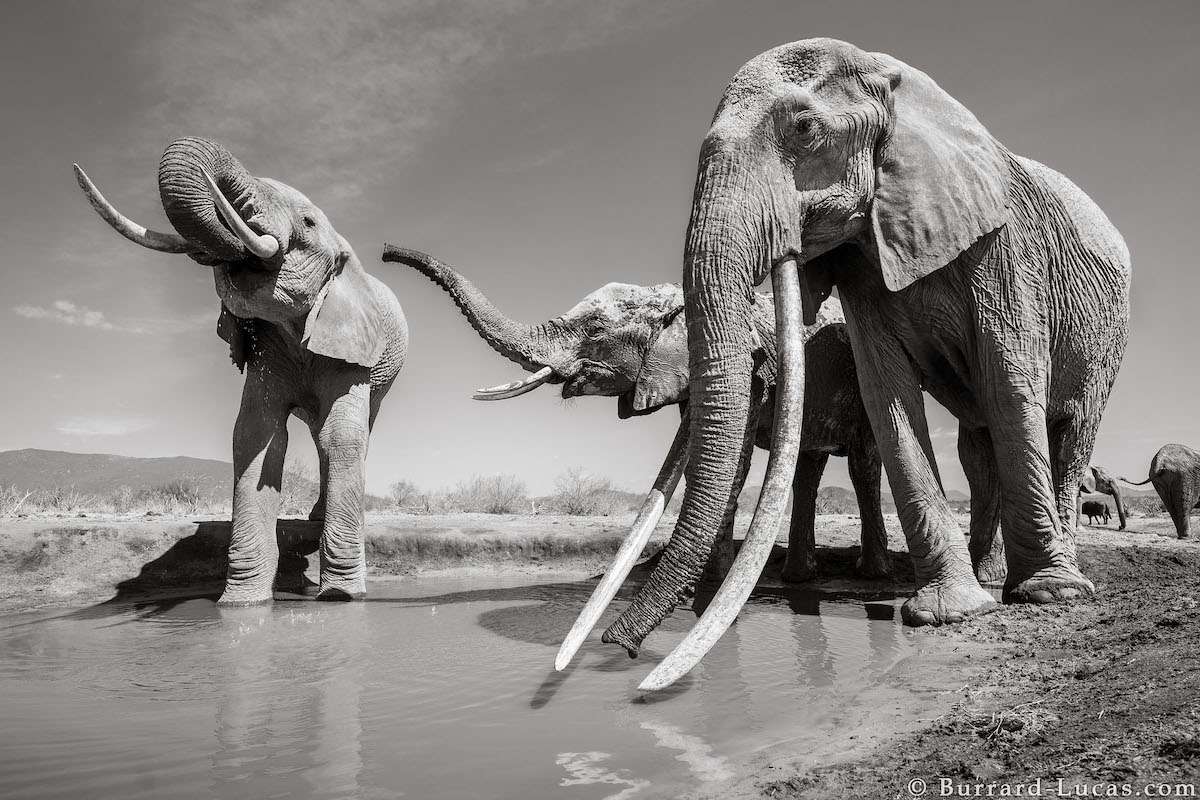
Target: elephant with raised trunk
<point>1175,473</point>
<point>630,342</point>
<point>985,278</point>
<point>316,336</point>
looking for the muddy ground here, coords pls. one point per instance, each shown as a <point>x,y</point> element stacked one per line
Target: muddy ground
<point>1100,691</point>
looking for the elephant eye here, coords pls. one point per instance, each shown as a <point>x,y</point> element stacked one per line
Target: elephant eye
<point>309,221</point>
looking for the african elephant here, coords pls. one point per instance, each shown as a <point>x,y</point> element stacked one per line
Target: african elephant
<point>630,342</point>
<point>1175,473</point>
<point>316,336</point>
<point>1094,509</point>
<point>987,279</point>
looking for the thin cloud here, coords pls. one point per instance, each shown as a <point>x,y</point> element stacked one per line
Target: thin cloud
<point>65,312</point>
<point>327,83</point>
<point>102,426</point>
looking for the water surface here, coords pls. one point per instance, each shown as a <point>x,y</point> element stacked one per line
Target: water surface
<point>432,688</point>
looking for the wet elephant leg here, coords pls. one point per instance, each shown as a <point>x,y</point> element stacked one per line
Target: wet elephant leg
<point>865,470</point>
<point>801,562</point>
<point>947,589</point>
<point>979,464</point>
<point>343,438</point>
<point>259,447</point>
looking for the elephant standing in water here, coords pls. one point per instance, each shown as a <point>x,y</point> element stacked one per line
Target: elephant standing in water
<point>315,334</point>
<point>1175,473</point>
<point>630,342</point>
<point>987,279</point>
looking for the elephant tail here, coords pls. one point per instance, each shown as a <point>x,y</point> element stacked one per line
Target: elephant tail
<point>1139,483</point>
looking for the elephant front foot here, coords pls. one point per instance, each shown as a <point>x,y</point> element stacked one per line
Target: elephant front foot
<point>798,567</point>
<point>945,603</point>
<point>1050,585</point>
<point>244,595</point>
<point>874,565</point>
<point>352,589</point>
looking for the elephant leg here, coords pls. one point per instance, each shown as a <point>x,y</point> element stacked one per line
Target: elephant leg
<point>979,465</point>
<point>259,447</point>
<point>801,562</point>
<point>865,470</point>
<point>317,514</point>
<point>947,589</point>
<point>1178,500</point>
<point>1038,496</point>
<point>344,434</point>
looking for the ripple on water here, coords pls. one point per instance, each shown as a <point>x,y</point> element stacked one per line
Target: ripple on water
<point>442,688</point>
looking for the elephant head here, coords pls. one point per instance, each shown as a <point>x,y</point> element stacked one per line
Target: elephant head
<point>275,256</point>
<point>622,340</point>
<point>823,165</point>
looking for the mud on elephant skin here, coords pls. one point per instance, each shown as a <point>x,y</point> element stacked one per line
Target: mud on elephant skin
<point>630,342</point>
<point>316,336</point>
<point>826,166</point>
<point>1175,474</point>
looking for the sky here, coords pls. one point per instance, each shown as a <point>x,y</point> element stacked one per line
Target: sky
<point>545,148</point>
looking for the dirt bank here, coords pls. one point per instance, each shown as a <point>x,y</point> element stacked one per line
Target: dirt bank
<point>1102,691</point>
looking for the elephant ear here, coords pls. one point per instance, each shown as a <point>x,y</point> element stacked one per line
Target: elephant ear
<point>346,322</point>
<point>239,333</point>
<point>664,376</point>
<point>941,180</point>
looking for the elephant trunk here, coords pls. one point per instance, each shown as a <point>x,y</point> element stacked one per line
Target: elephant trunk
<point>722,255</point>
<point>1120,503</point>
<point>518,342</point>
<point>188,201</point>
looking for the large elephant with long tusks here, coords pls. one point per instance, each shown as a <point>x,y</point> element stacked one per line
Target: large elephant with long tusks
<point>987,279</point>
<point>630,342</point>
<point>316,336</point>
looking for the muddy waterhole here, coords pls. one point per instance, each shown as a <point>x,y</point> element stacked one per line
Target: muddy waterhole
<point>430,688</point>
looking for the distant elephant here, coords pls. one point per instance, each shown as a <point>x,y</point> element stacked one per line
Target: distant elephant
<point>315,334</point>
<point>1094,509</point>
<point>1175,473</point>
<point>987,279</point>
<point>630,342</point>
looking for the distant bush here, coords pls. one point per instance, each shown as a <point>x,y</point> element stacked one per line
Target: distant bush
<point>490,494</point>
<point>405,495</point>
<point>299,490</point>
<point>579,494</point>
<point>12,500</point>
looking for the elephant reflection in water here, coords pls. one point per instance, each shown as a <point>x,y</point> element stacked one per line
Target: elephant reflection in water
<point>288,716</point>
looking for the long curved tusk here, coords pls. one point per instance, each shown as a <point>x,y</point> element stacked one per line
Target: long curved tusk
<point>785,447</point>
<point>516,388</point>
<point>162,242</point>
<point>263,245</point>
<point>631,548</point>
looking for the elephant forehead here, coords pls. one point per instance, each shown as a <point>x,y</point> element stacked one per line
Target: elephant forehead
<point>619,301</point>
<point>287,195</point>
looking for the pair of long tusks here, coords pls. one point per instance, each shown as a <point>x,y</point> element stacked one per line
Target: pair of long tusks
<point>162,242</point>
<point>262,245</point>
<point>631,548</point>
<point>785,447</point>
<point>516,388</point>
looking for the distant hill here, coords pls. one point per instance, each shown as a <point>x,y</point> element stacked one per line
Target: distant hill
<point>97,473</point>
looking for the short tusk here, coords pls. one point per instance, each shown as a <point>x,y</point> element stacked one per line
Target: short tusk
<point>516,388</point>
<point>162,242</point>
<point>263,245</point>
<point>631,548</point>
<point>785,447</point>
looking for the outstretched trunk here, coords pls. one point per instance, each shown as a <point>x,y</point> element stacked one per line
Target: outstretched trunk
<point>1116,493</point>
<point>719,260</point>
<point>189,205</point>
<point>524,344</point>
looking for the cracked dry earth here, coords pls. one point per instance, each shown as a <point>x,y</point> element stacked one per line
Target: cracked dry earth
<point>1105,690</point>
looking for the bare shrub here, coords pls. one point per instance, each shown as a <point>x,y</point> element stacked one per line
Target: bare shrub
<point>405,495</point>
<point>12,500</point>
<point>299,490</point>
<point>490,494</point>
<point>579,494</point>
